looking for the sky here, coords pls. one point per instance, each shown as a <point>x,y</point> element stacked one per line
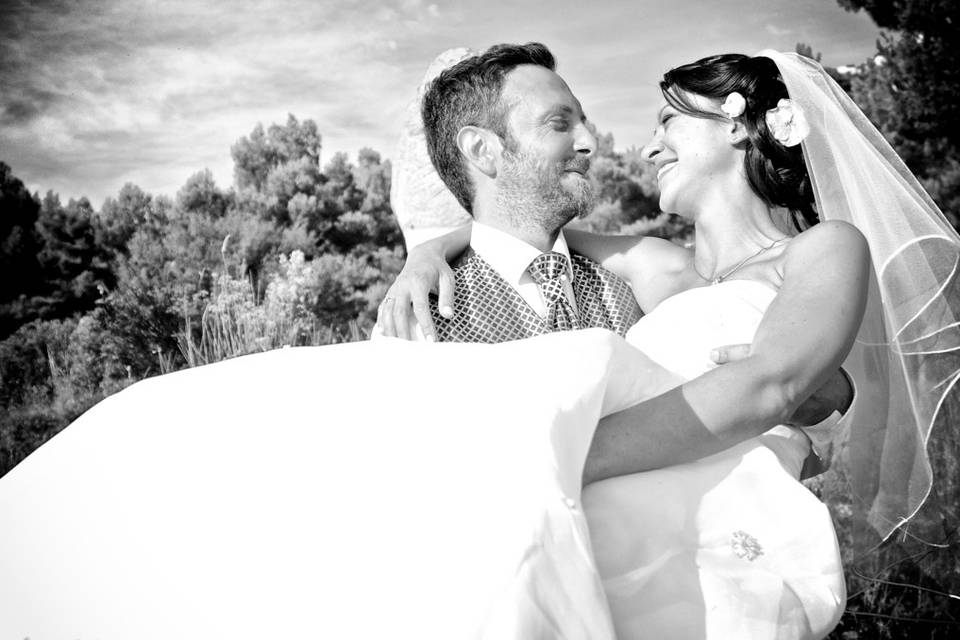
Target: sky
<point>98,93</point>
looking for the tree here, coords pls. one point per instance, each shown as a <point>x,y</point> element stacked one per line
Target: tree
<point>918,16</point>
<point>131,210</point>
<point>200,195</point>
<point>151,273</point>
<point>288,180</point>
<point>296,140</point>
<point>911,89</point>
<point>373,175</point>
<point>625,185</point>
<point>18,250</point>
<point>254,157</point>
<point>76,266</point>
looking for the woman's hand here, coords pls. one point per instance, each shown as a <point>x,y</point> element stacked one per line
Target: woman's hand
<point>407,302</point>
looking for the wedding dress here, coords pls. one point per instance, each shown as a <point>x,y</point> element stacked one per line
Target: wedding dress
<point>729,546</point>
<point>396,489</point>
<point>370,490</point>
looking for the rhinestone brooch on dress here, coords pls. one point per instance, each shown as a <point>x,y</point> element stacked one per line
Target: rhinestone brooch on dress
<point>745,546</point>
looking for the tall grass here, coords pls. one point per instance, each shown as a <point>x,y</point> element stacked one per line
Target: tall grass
<point>53,371</point>
<point>909,586</point>
<point>234,322</point>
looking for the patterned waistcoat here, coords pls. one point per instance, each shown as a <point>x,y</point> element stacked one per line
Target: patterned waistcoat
<point>488,309</point>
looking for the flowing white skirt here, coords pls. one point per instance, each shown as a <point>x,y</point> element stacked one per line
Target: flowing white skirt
<point>373,490</point>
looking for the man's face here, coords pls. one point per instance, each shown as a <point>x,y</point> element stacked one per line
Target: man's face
<point>547,150</point>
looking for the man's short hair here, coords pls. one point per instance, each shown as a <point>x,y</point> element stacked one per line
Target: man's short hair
<point>468,94</point>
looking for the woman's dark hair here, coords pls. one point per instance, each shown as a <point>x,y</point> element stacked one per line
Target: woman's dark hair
<point>778,174</point>
<point>468,93</point>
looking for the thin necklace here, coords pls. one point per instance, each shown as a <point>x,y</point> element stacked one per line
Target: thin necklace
<point>723,276</point>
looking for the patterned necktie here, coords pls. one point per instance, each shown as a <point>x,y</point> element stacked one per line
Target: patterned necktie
<point>549,271</point>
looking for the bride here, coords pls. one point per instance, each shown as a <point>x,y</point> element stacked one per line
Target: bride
<point>328,492</point>
<point>731,545</point>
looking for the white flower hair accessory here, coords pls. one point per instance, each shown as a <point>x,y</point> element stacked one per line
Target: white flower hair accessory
<point>788,123</point>
<point>734,105</point>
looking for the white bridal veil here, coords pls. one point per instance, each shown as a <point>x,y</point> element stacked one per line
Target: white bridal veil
<point>906,360</point>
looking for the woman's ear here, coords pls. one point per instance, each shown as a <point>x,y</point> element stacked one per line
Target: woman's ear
<point>737,132</point>
<point>481,148</point>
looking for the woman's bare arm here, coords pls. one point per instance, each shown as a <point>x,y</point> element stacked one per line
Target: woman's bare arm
<point>650,265</point>
<point>802,340</point>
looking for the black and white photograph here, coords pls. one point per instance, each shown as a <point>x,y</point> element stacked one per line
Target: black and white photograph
<point>518,320</point>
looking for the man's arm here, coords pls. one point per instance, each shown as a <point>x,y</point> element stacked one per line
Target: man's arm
<point>803,339</point>
<point>836,395</point>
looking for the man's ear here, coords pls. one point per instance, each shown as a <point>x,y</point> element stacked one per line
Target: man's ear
<point>481,147</point>
<point>737,132</point>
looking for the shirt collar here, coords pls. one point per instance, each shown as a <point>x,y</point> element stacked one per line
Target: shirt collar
<point>510,256</point>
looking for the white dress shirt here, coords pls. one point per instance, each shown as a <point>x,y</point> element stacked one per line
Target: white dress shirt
<point>510,257</point>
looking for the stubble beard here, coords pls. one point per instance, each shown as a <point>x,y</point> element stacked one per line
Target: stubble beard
<point>532,192</point>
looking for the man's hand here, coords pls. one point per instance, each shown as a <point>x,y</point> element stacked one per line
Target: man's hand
<point>730,353</point>
<point>835,395</point>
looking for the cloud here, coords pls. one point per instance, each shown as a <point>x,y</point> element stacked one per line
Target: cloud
<point>777,31</point>
<point>25,105</point>
<point>107,91</point>
<point>145,85</point>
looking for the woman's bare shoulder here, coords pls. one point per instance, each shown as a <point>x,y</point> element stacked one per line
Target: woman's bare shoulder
<point>665,270</point>
<point>664,256</point>
<point>828,237</point>
<point>833,249</point>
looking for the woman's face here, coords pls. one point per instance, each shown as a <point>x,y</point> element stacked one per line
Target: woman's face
<point>691,155</point>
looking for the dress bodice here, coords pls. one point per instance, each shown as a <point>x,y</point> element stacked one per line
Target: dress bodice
<point>682,330</point>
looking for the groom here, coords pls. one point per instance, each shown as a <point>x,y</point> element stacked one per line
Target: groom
<point>510,141</point>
